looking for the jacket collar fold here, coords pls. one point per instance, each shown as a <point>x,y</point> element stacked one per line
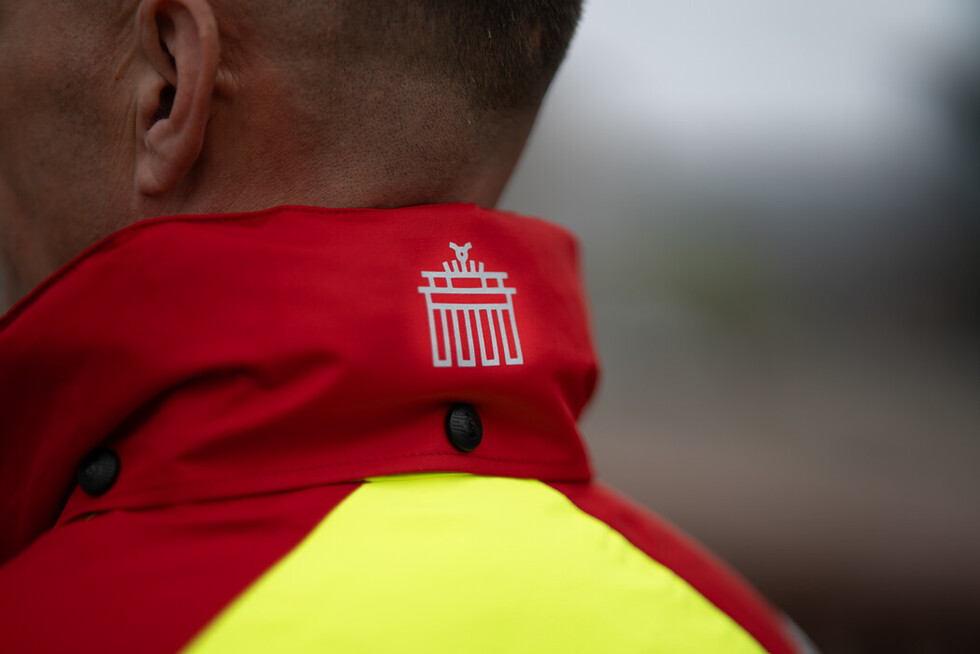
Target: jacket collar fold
<point>229,355</point>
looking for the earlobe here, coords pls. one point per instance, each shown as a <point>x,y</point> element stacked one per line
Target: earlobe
<point>179,40</point>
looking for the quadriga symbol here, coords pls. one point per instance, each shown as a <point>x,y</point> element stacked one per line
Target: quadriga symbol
<point>471,312</point>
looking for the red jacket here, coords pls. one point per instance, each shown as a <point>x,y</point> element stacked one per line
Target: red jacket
<point>206,422</point>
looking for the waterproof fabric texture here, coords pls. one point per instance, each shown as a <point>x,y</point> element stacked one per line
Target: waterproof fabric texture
<point>252,371</point>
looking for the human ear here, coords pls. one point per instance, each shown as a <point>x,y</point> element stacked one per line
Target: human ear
<point>179,39</point>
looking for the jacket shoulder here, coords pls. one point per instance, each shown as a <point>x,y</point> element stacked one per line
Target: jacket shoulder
<point>690,561</point>
<point>426,562</point>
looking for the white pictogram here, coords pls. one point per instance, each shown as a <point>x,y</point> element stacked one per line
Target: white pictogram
<point>480,308</point>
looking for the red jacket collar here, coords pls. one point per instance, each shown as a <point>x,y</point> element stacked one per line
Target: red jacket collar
<point>227,355</point>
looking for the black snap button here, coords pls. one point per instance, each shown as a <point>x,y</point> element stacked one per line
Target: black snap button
<point>98,471</point>
<point>463,427</point>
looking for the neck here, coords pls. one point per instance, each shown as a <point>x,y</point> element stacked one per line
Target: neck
<point>376,153</point>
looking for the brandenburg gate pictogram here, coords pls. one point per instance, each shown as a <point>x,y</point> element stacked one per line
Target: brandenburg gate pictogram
<point>470,311</point>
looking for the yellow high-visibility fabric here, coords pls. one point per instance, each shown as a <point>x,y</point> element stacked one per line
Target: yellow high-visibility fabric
<point>459,563</point>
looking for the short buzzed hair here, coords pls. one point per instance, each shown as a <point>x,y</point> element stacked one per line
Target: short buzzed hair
<point>499,54</point>
<point>502,53</point>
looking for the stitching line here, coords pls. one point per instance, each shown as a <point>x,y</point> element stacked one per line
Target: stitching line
<point>335,464</point>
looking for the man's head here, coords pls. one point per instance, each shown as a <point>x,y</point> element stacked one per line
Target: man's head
<point>118,110</point>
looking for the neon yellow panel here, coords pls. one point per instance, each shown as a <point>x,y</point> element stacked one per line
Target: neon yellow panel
<point>464,564</point>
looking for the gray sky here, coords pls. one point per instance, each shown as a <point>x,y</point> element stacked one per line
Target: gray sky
<point>769,104</point>
<point>710,76</point>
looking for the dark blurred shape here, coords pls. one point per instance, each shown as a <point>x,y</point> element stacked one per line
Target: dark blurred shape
<point>963,101</point>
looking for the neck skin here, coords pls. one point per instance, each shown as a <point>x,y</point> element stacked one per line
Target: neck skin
<point>254,157</point>
<point>251,123</point>
<point>406,148</point>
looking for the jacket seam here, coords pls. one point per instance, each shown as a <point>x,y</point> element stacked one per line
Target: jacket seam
<point>335,464</point>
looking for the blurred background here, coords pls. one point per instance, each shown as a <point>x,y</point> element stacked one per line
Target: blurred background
<point>779,203</point>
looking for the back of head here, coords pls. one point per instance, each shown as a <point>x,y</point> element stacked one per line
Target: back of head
<point>119,110</point>
<point>448,87</point>
<point>499,54</point>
